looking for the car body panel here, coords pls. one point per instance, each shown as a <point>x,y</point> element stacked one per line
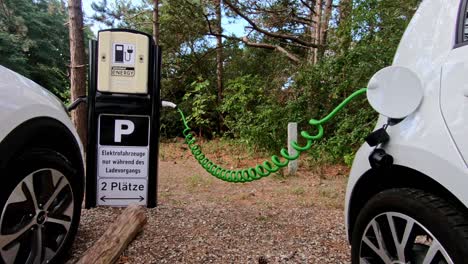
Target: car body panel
<point>454,98</point>
<point>22,99</point>
<point>422,141</point>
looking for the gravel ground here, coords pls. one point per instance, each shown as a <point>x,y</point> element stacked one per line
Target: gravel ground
<point>200,219</point>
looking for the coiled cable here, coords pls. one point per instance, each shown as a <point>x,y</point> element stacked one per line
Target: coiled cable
<point>267,167</point>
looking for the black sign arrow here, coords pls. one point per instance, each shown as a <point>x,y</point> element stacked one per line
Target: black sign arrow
<point>104,198</point>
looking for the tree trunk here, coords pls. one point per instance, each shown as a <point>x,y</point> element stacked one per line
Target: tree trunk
<point>345,9</point>
<point>312,30</point>
<point>156,21</point>
<point>219,59</point>
<point>77,66</point>
<point>324,28</point>
<point>318,30</point>
<point>117,237</point>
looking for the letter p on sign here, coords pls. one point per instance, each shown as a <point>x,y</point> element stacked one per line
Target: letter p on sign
<point>123,127</point>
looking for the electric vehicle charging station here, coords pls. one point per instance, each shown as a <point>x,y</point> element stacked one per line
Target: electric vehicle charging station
<point>422,189</point>
<point>123,119</point>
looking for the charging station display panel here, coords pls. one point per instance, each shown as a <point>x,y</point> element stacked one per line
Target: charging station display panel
<point>123,62</point>
<point>123,159</point>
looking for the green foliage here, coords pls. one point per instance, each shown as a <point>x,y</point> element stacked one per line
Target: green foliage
<point>377,27</point>
<point>34,42</point>
<point>253,113</point>
<point>259,116</point>
<point>201,99</point>
<point>242,96</point>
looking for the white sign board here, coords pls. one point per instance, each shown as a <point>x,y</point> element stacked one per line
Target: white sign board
<point>122,160</point>
<point>117,162</point>
<point>117,192</point>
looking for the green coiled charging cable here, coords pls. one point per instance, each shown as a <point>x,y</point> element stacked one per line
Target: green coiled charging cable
<point>267,167</point>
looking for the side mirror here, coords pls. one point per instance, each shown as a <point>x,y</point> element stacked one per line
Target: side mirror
<point>395,92</point>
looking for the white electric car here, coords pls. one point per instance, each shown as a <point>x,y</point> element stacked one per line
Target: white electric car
<point>41,173</point>
<point>410,206</point>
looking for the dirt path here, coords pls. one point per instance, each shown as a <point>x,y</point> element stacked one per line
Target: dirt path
<point>203,220</point>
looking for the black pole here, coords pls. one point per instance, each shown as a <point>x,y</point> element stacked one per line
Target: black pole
<point>90,200</point>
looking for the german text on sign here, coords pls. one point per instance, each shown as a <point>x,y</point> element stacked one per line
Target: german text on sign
<point>123,159</point>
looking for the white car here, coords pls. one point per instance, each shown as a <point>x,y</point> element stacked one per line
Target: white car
<point>415,211</point>
<point>41,172</point>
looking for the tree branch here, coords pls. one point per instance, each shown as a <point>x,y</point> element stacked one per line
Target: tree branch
<point>310,7</point>
<point>288,54</point>
<point>197,60</point>
<point>138,14</point>
<point>302,20</point>
<point>266,32</point>
<point>245,40</point>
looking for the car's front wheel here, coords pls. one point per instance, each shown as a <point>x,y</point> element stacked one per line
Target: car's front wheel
<point>40,203</point>
<point>400,226</point>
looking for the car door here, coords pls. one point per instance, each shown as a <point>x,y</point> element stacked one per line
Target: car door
<point>454,87</point>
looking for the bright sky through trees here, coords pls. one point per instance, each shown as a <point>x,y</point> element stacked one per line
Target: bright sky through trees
<point>235,27</point>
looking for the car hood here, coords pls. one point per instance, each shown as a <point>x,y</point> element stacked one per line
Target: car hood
<point>16,88</point>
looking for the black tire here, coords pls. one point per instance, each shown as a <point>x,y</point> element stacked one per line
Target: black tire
<point>58,192</point>
<point>433,216</point>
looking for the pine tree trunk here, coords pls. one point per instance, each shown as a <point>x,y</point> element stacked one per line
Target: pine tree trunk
<point>219,60</point>
<point>345,9</point>
<point>318,29</point>
<point>77,66</point>
<point>324,28</point>
<point>312,29</point>
<point>156,21</point>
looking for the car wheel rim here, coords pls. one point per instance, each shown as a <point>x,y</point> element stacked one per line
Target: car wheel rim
<point>36,218</point>
<point>395,238</point>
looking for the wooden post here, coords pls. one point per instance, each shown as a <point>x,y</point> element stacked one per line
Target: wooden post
<point>117,237</point>
<point>292,136</point>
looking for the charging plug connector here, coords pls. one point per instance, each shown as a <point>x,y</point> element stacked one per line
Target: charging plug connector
<point>168,104</point>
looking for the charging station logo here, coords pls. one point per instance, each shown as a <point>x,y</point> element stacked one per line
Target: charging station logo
<point>123,60</point>
<point>124,54</point>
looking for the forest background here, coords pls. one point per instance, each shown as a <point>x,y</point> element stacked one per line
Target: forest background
<point>296,60</point>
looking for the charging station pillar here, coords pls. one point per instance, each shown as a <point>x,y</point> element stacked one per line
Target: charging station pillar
<point>123,119</point>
